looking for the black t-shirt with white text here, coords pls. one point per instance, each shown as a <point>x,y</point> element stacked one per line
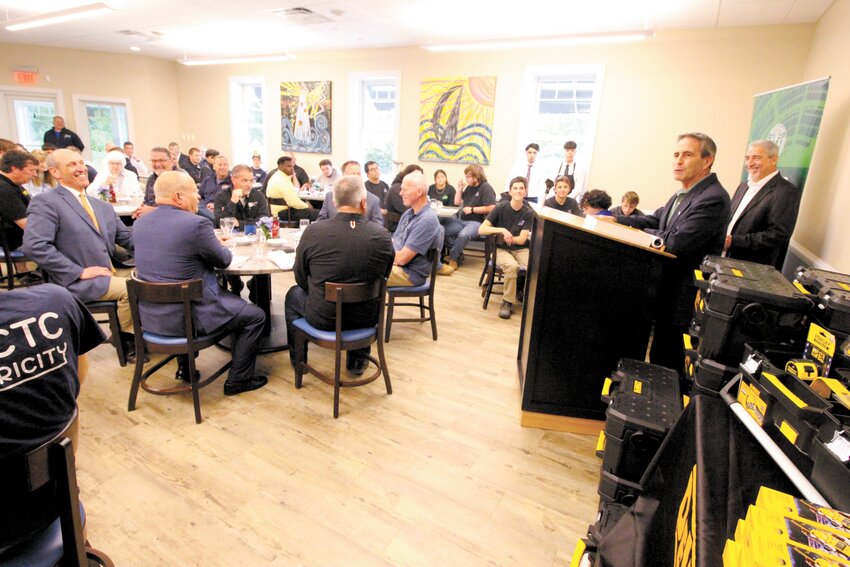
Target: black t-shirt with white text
<point>504,216</point>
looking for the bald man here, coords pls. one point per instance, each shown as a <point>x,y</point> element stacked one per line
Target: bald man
<point>178,245</point>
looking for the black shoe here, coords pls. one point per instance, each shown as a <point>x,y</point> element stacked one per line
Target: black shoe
<point>183,374</point>
<point>252,290</point>
<point>233,387</point>
<point>359,366</point>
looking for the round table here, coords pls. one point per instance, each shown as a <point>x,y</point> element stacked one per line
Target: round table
<point>261,267</point>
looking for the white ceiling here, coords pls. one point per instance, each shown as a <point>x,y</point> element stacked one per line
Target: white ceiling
<point>214,28</point>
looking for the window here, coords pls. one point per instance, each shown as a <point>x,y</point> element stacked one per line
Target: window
<point>246,117</point>
<point>374,121</point>
<point>103,121</point>
<point>565,105</point>
<point>27,114</point>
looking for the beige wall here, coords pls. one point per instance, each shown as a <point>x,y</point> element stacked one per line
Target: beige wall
<point>680,81</point>
<point>822,227</point>
<point>149,84</point>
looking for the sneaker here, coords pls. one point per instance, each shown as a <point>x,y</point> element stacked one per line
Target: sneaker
<point>233,387</point>
<point>359,367</point>
<point>505,310</point>
<point>445,270</point>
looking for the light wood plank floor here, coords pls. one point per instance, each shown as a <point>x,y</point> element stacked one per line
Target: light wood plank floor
<point>438,473</point>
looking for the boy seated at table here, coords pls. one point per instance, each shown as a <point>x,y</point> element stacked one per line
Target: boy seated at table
<point>596,202</point>
<point>561,200</point>
<point>628,206</point>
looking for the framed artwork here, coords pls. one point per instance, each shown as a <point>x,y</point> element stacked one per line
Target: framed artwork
<point>305,116</point>
<point>456,119</point>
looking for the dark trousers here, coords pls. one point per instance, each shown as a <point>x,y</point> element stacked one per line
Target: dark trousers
<point>667,348</point>
<point>309,213</point>
<point>247,328</point>
<point>296,307</point>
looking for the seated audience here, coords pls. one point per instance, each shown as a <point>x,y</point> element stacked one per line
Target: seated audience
<point>73,237</point>
<point>628,206</point>
<point>39,400</point>
<point>257,169</point>
<point>345,249</point>
<point>16,168</point>
<point>123,182</point>
<point>513,221</point>
<point>393,203</point>
<point>282,186</point>
<point>133,163</point>
<point>440,190</point>
<point>373,204</point>
<point>177,245</point>
<point>301,177</point>
<point>328,176</point>
<point>242,201</point>
<point>42,180</point>
<point>374,185</point>
<point>561,200</point>
<point>596,202</point>
<point>418,231</point>
<point>476,199</point>
<point>214,184</point>
<point>192,166</point>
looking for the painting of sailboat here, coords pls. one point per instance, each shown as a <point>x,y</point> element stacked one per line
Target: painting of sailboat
<point>456,119</point>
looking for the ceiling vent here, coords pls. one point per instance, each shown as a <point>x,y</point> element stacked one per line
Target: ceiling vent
<point>301,16</point>
<point>142,36</point>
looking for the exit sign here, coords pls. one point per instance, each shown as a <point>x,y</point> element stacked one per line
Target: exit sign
<point>26,77</point>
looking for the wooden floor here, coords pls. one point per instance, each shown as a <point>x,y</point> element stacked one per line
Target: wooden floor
<point>438,473</point>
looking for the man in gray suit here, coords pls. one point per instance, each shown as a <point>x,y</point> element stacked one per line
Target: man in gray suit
<point>175,244</point>
<point>72,237</point>
<point>373,204</point>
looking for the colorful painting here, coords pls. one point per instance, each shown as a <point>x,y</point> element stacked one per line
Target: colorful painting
<point>305,116</point>
<point>456,119</point>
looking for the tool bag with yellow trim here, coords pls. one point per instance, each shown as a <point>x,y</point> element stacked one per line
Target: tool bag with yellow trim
<point>706,473</point>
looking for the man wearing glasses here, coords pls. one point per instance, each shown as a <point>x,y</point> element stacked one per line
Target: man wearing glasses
<point>161,162</point>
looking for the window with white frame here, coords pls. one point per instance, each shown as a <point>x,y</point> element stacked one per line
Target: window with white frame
<point>104,120</point>
<point>563,104</point>
<point>246,116</point>
<point>373,124</point>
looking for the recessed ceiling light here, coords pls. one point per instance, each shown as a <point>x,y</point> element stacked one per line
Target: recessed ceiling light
<point>134,48</point>
<point>60,16</point>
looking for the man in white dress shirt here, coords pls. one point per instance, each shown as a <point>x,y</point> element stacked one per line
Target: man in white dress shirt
<point>532,172</point>
<point>570,168</point>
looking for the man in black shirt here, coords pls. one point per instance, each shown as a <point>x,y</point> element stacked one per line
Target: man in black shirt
<point>373,183</point>
<point>61,137</point>
<point>344,249</point>
<point>16,168</point>
<point>512,220</point>
<point>476,198</point>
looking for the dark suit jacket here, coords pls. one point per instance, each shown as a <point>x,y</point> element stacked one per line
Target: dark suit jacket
<point>176,245</point>
<point>764,228</point>
<point>696,229</point>
<point>66,138</point>
<point>61,238</point>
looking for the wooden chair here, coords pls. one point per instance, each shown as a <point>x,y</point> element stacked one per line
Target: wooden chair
<point>110,309</point>
<point>340,340</point>
<point>287,220</point>
<point>421,292</point>
<point>182,294</point>
<point>41,523</point>
<point>8,271</point>
<point>493,275</point>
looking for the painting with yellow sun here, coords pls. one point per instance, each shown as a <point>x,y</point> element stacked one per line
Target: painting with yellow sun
<point>456,119</point>
<point>305,116</point>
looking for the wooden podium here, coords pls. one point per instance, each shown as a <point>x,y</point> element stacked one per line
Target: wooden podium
<point>589,299</point>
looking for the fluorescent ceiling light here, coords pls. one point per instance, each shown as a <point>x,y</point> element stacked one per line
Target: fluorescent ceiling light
<point>225,61</point>
<point>60,16</point>
<point>551,41</point>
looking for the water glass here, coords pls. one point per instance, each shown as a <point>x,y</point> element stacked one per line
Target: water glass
<point>303,223</point>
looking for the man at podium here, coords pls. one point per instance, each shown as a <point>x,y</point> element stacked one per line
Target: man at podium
<point>692,224</point>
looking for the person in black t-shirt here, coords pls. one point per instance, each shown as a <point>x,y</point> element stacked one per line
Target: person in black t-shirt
<point>476,199</point>
<point>441,190</point>
<point>512,220</point>
<point>561,199</point>
<point>44,330</point>
<point>16,168</point>
<point>373,183</point>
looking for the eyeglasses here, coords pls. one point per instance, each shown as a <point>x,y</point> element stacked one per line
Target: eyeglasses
<point>159,161</point>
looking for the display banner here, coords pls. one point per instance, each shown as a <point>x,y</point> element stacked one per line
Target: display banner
<point>790,117</point>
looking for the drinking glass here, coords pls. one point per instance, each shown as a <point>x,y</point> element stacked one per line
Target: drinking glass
<point>303,223</point>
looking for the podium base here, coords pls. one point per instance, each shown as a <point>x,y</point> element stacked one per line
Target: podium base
<point>562,423</point>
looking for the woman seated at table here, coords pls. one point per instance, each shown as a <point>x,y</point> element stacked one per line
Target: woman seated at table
<point>114,179</point>
<point>561,200</point>
<point>393,203</point>
<point>512,220</point>
<point>441,190</point>
<point>43,179</point>
<point>596,202</point>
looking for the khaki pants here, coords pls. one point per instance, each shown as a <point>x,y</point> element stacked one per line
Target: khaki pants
<point>509,261</point>
<point>118,292</point>
<point>398,277</point>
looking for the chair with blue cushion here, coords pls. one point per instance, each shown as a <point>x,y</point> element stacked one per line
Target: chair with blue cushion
<point>420,292</point>
<point>41,521</point>
<point>8,269</point>
<point>188,344</point>
<point>340,340</point>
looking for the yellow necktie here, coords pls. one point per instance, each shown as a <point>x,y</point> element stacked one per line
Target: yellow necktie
<point>87,207</point>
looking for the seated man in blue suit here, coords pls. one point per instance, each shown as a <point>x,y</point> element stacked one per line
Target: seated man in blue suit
<point>178,245</point>
<point>72,237</point>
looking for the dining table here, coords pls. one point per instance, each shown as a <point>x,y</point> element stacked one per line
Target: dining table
<point>260,260</point>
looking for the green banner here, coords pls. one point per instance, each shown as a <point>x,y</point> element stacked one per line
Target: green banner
<point>790,117</point>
